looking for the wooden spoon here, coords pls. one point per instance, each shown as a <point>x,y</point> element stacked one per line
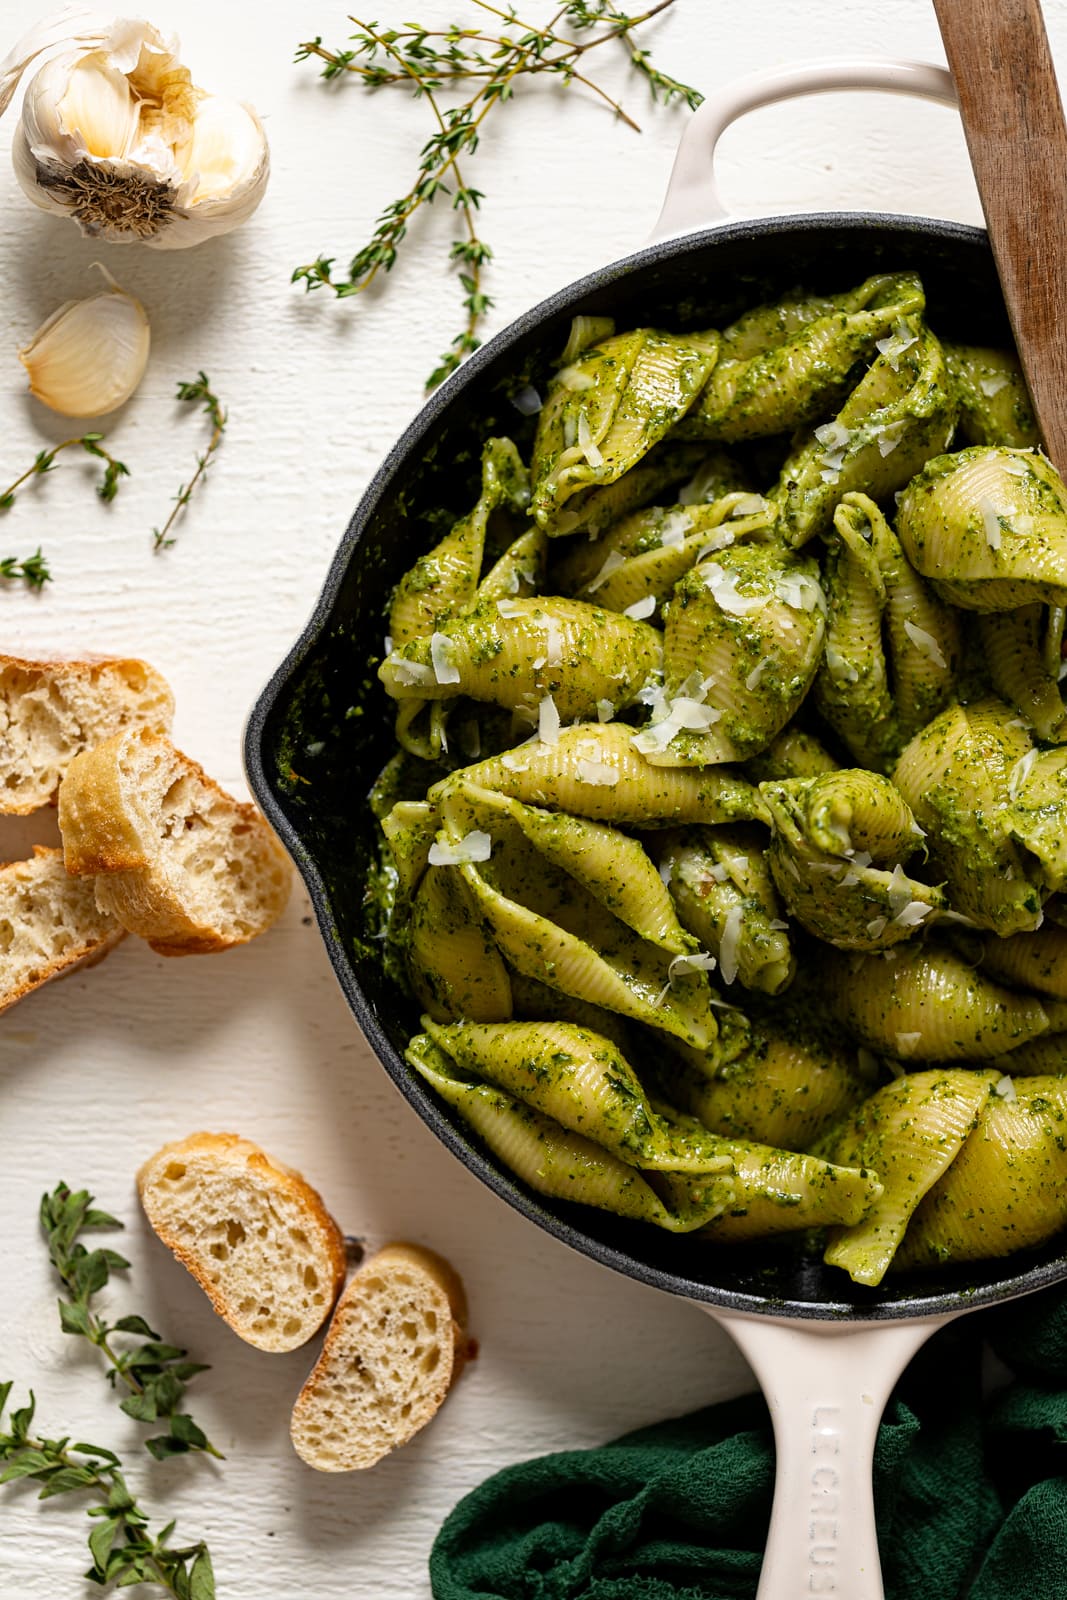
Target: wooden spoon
<point>1013,117</point>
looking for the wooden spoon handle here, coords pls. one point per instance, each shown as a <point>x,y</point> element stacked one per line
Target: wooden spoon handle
<point>1013,118</point>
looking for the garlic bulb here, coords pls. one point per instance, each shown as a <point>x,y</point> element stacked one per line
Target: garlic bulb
<point>90,355</point>
<point>115,134</point>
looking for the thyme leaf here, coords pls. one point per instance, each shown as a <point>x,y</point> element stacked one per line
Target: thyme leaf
<point>191,392</point>
<point>430,62</point>
<point>44,461</point>
<point>33,570</point>
<point>151,1373</point>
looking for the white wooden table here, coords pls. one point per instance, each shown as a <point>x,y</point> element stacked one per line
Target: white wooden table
<point>97,1072</point>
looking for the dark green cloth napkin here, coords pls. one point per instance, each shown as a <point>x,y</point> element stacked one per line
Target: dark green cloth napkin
<point>970,1487</point>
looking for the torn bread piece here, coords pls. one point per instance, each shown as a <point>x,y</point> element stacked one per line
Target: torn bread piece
<point>176,859</point>
<point>397,1343</point>
<point>49,924</point>
<point>52,709</point>
<point>254,1234</point>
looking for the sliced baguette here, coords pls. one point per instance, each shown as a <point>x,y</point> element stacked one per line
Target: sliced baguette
<point>176,859</point>
<point>254,1234</point>
<point>50,710</point>
<point>49,924</point>
<point>395,1346</point>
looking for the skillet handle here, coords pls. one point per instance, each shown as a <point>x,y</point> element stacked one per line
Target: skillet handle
<point>693,202</point>
<point>826,1385</point>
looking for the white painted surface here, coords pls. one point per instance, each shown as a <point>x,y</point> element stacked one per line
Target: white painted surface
<point>94,1074</point>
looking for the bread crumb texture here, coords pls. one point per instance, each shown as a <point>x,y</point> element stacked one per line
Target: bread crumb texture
<point>52,710</point>
<point>179,861</point>
<point>253,1233</point>
<point>395,1346</point>
<point>49,924</point>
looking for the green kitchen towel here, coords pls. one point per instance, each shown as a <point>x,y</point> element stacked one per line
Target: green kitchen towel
<point>970,1487</point>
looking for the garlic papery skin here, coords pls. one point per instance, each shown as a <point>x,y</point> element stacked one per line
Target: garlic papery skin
<point>90,355</point>
<point>115,134</point>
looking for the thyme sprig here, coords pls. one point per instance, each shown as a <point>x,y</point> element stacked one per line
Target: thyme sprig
<point>33,570</point>
<point>152,1373</point>
<point>122,1548</point>
<point>431,61</point>
<point>190,392</point>
<point>44,461</point>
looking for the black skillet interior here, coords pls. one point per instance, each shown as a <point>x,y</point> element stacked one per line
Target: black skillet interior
<point>322,729</point>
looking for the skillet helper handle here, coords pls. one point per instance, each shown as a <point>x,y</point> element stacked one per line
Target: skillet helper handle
<point>693,202</point>
<point>826,1385</point>
<point>1013,118</point>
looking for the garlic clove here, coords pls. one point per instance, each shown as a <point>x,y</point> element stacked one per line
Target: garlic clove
<point>90,355</point>
<point>96,108</point>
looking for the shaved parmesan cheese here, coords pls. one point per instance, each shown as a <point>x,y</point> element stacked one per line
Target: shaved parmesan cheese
<point>913,913</point>
<point>723,586</point>
<point>444,668</point>
<point>1005,1087</point>
<point>665,870</point>
<point>728,945</point>
<point>899,890</point>
<point>991,523</point>
<point>876,927</point>
<point>474,846</point>
<point>699,961</point>
<point>800,592</point>
<point>718,872</point>
<point>599,773</point>
<point>829,475</point>
<point>907,1042</point>
<point>889,437</point>
<point>1018,466</point>
<point>567,521</point>
<point>1020,772</point>
<point>752,681</point>
<point>778,925</point>
<point>510,608</point>
<point>553,642</point>
<point>894,345</point>
<point>674,528</point>
<point>590,451</point>
<point>833,434</point>
<point>409,673</point>
<point>641,608</point>
<point>993,385</point>
<point>839,666</point>
<point>387,647</point>
<point>749,505</point>
<point>574,379</point>
<point>528,401</point>
<point>604,710</point>
<point>548,721</point>
<point>925,643</point>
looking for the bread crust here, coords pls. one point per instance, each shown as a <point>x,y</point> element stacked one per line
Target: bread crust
<point>148,702</point>
<point>114,829</point>
<point>442,1284</point>
<point>230,1151</point>
<point>92,948</point>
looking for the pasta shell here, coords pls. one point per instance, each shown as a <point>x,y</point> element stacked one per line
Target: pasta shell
<point>410,829</point>
<point>667,466</point>
<point>1036,816</point>
<point>562,1165</point>
<point>909,1133</point>
<point>1007,1188</point>
<point>1031,960</point>
<point>721,886</point>
<point>794,754</point>
<point>793,379</point>
<point>900,412</point>
<point>536,1001</point>
<point>992,396</point>
<point>926,1004</point>
<point>958,776</point>
<point>444,580</point>
<point>779,1191</point>
<point>605,411</point>
<point>517,653</point>
<point>1012,644</point>
<point>453,965</point>
<point>988,527</point>
<point>519,571</point>
<point>594,771</point>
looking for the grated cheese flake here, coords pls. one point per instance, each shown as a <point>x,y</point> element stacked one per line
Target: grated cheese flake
<point>723,587</point>
<point>1005,1087</point>
<point>914,912</point>
<point>474,846</point>
<point>589,449</point>
<point>574,380</point>
<point>994,533</point>
<point>800,592</point>
<point>729,943</point>
<point>601,774</point>
<point>839,666</point>
<point>444,667</point>
<point>528,401</point>
<point>925,643</point>
<point>674,528</point>
<point>412,672</point>
<point>893,346</point>
<point>553,642</point>
<point>993,385</point>
<point>889,437</point>
<point>907,1042</point>
<point>1020,772</point>
<point>752,681</point>
<point>1017,466</point>
<point>605,710</point>
<point>612,562</point>
<point>641,609</point>
<point>698,961</point>
<point>876,927</point>
<point>548,721</point>
<point>510,608</point>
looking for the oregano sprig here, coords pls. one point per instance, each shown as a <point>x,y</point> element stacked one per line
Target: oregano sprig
<point>44,461</point>
<point>123,1549</point>
<point>153,1374</point>
<point>431,62</point>
<point>190,392</point>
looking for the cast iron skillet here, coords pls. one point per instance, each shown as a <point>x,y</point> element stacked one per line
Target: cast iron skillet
<point>322,729</point>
